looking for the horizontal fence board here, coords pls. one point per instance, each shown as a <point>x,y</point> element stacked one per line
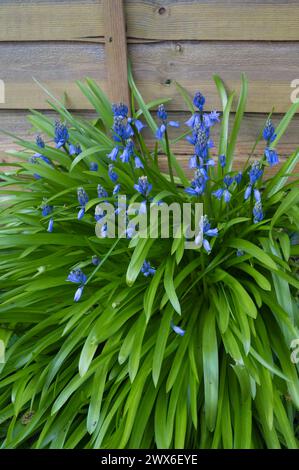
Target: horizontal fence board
<point>70,20</point>
<point>270,68</point>
<point>16,122</point>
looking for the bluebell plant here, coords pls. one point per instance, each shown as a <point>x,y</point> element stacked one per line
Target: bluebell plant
<point>140,342</point>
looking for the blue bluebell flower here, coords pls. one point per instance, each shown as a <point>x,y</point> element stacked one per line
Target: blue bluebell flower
<point>138,162</point>
<point>222,160</point>
<point>46,209</point>
<point>78,293</point>
<point>258,214</point>
<point>113,154</point>
<point>95,260</point>
<point>116,189</point>
<point>50,225</point>
<point>120,110</point>
<point>256,193</point>
<point>205,231</point>
<point>271,156</point>
<point>212,118</point>
<point>198,184</point>
<point>201,141</point>
<point>128,151</point>
<point>179,331</point>
<point>75,149</point>
<point>147,270</point>
<point>122,129</point>
<point>83,200</point>
<point>61,134</point>
<point>162,116</point>
<point>101,191</point>
<point>199,100</point>
<point>34,159</point>
<point>240,253</point>
<point>137,123</point>
<point>269,132</point>
<point>224,191</point>
<point>77,276</point>
<point>111,173</point>
<point>255,173</point>
<point>40,142</point>
<point>194,120</point>
<point>238,177</point>
<point>93,166</point>
<point>143,186</point>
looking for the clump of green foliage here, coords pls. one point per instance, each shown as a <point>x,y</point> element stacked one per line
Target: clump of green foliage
<point>161,346</point>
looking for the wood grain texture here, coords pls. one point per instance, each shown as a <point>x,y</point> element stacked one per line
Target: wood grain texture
<point>74,20</point>
<point>15,122</point>
<point>116,51</point>
<point>270,68</point>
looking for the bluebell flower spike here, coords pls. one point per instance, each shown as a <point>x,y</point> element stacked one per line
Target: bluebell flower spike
<point>143,186</point>
<point>61,135</point>
<point>112,174</point>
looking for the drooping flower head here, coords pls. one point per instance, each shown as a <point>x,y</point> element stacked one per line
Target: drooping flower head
<point>93,166</point>
<point>255,173</point>
<point>75,149</point>
<point>271,156</point>
<point>258,214</point>
<point>205,231</point>
<point>269,132</point>
<point>34,159</point>
<point>178,330</point>
<point>46,210</point>
<point>61,134</point>
<point>101,191</point>
<point>198,184</point>
<point>122,129</point>
<point>163,117</point>
<point>40,142</point>
<point>111,173</point>
<point>83,200</point>
<point>199,100</point>
<point>143,186</point>
<point>77,276</point>
<point>224,191</point>
<point>238,177</point>
<point>147,270</point>
<point>95,260</point>
<point>120,110</point>
<point>210,119</point>
<point>222,160</point>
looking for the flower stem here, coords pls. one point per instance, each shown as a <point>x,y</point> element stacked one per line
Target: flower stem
<point>169,158</point>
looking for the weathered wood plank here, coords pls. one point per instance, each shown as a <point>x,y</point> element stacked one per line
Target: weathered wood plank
<point>83,20</point>
<point>270,68</point>
<point>15,121</point>
<point>56,65</point>
<point>116,51</point>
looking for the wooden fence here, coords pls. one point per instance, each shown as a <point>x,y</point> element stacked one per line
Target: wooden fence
<point>61,41</point>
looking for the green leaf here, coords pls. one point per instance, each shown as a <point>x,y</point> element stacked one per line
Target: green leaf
<point>237,123</point>
<point>169,285</point>
<point>210,368</point>
<point>253,250</point>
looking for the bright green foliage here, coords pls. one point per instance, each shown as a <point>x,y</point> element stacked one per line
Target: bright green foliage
<point>109,371</point>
